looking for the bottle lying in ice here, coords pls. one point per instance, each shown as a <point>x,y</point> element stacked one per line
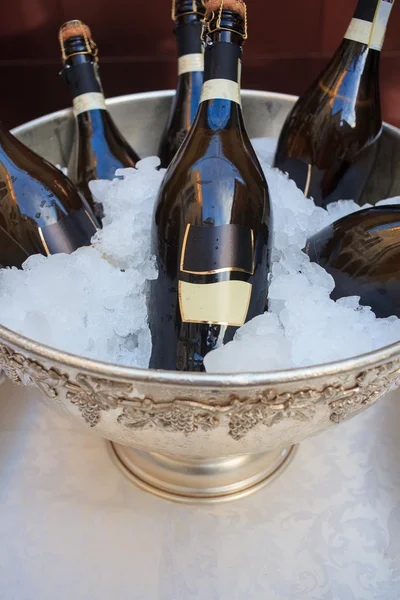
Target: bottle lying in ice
<point>212,222</point>
<point>99,147</point>
<point>41,212</point>
<point>330,139</point>
<point>362,253</point>
<point>188,17</point>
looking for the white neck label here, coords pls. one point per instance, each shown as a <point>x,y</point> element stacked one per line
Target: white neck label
<point>190,63</point>
<point>371,34</point>
<point>89,101</point>
<point>222,89</point>
<point>380,24</point>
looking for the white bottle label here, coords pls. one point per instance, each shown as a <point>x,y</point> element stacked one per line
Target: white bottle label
<point>372,34</point>
<point>222,303</point>
<point>90,101</point>
<point>190,63</point>
<point>359,31</point>
<point>380,24</point>
<point>223,89</point>
<point>206,251</point>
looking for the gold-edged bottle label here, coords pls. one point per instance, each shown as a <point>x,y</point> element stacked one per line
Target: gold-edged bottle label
<point>300,171</point>
<point>221,303</point>
<point>190,63</point>
<point>89,101</point>
<point>209,250</point>
<point>225,252</point>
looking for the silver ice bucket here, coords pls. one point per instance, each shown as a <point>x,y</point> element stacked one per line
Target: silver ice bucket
<point>199,437</point>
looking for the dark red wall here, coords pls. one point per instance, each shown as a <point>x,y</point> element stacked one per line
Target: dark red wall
<point>288,43</point>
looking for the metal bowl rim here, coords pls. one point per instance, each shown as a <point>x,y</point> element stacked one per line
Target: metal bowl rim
<point>175,378</point>
<point>117,100</point>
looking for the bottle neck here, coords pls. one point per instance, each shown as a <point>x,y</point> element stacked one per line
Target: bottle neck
<point>369,23</point>
<point>220,102</point>
<point>190,47</point>
<point>82,75</point>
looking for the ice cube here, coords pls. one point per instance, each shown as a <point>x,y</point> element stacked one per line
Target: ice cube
<point>93,302</point>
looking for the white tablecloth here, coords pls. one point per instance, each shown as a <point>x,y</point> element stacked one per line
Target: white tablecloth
<point>73,528</point>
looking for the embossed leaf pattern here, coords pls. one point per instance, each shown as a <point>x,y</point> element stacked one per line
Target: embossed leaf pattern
<point>242,415</point>
<point>271,408</point>
<point>174,416</point>
<point>24,371</point>
<point>94,396</point>
<point>370,386</point>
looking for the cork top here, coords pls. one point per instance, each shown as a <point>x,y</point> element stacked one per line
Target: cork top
<point>237,6</point>
<point>73,29</point>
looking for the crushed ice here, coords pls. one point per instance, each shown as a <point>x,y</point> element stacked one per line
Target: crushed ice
<point>92,303</point>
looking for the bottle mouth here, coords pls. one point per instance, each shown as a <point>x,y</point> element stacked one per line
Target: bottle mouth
<point>181,8</point>
<point>225,19</point>
<point>71,34</point>
<point>238,6</point>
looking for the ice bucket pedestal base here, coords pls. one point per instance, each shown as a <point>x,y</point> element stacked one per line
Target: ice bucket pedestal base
<point>197,480</point>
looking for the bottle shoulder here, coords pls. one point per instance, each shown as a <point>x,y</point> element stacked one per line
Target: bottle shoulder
<point>99,139</point>
<point>375,218</point>
<point>221,155</point>
<point>370,236</point>
<point>36,185</point>
<point>217,182</point>
<point>181,116</point>
<point>346,92</point>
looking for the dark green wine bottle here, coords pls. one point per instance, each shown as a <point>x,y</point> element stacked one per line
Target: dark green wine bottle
<point>188,16</point>
<point>362,253</point>
<point>212,223</point>
<point>329,141</point>
<point>41,212</point>
<point>99,148</point>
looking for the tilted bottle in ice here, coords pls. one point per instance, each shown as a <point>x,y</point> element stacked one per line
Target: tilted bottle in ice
<point>329,141</point>
<point>188,16</point>
<point>212,221</point>
<point>362,253</point>
<point>41,212</point>
<point>99,147</point>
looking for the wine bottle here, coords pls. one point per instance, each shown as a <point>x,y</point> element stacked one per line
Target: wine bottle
<point>99,148</point>
<point>330,139</point>
<point>41,212</point>
<point>212,222</point>
<point>188,16</point>
<point>362,253</point>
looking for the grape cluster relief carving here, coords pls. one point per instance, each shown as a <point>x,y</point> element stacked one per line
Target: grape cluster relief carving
<point>93,396</point>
